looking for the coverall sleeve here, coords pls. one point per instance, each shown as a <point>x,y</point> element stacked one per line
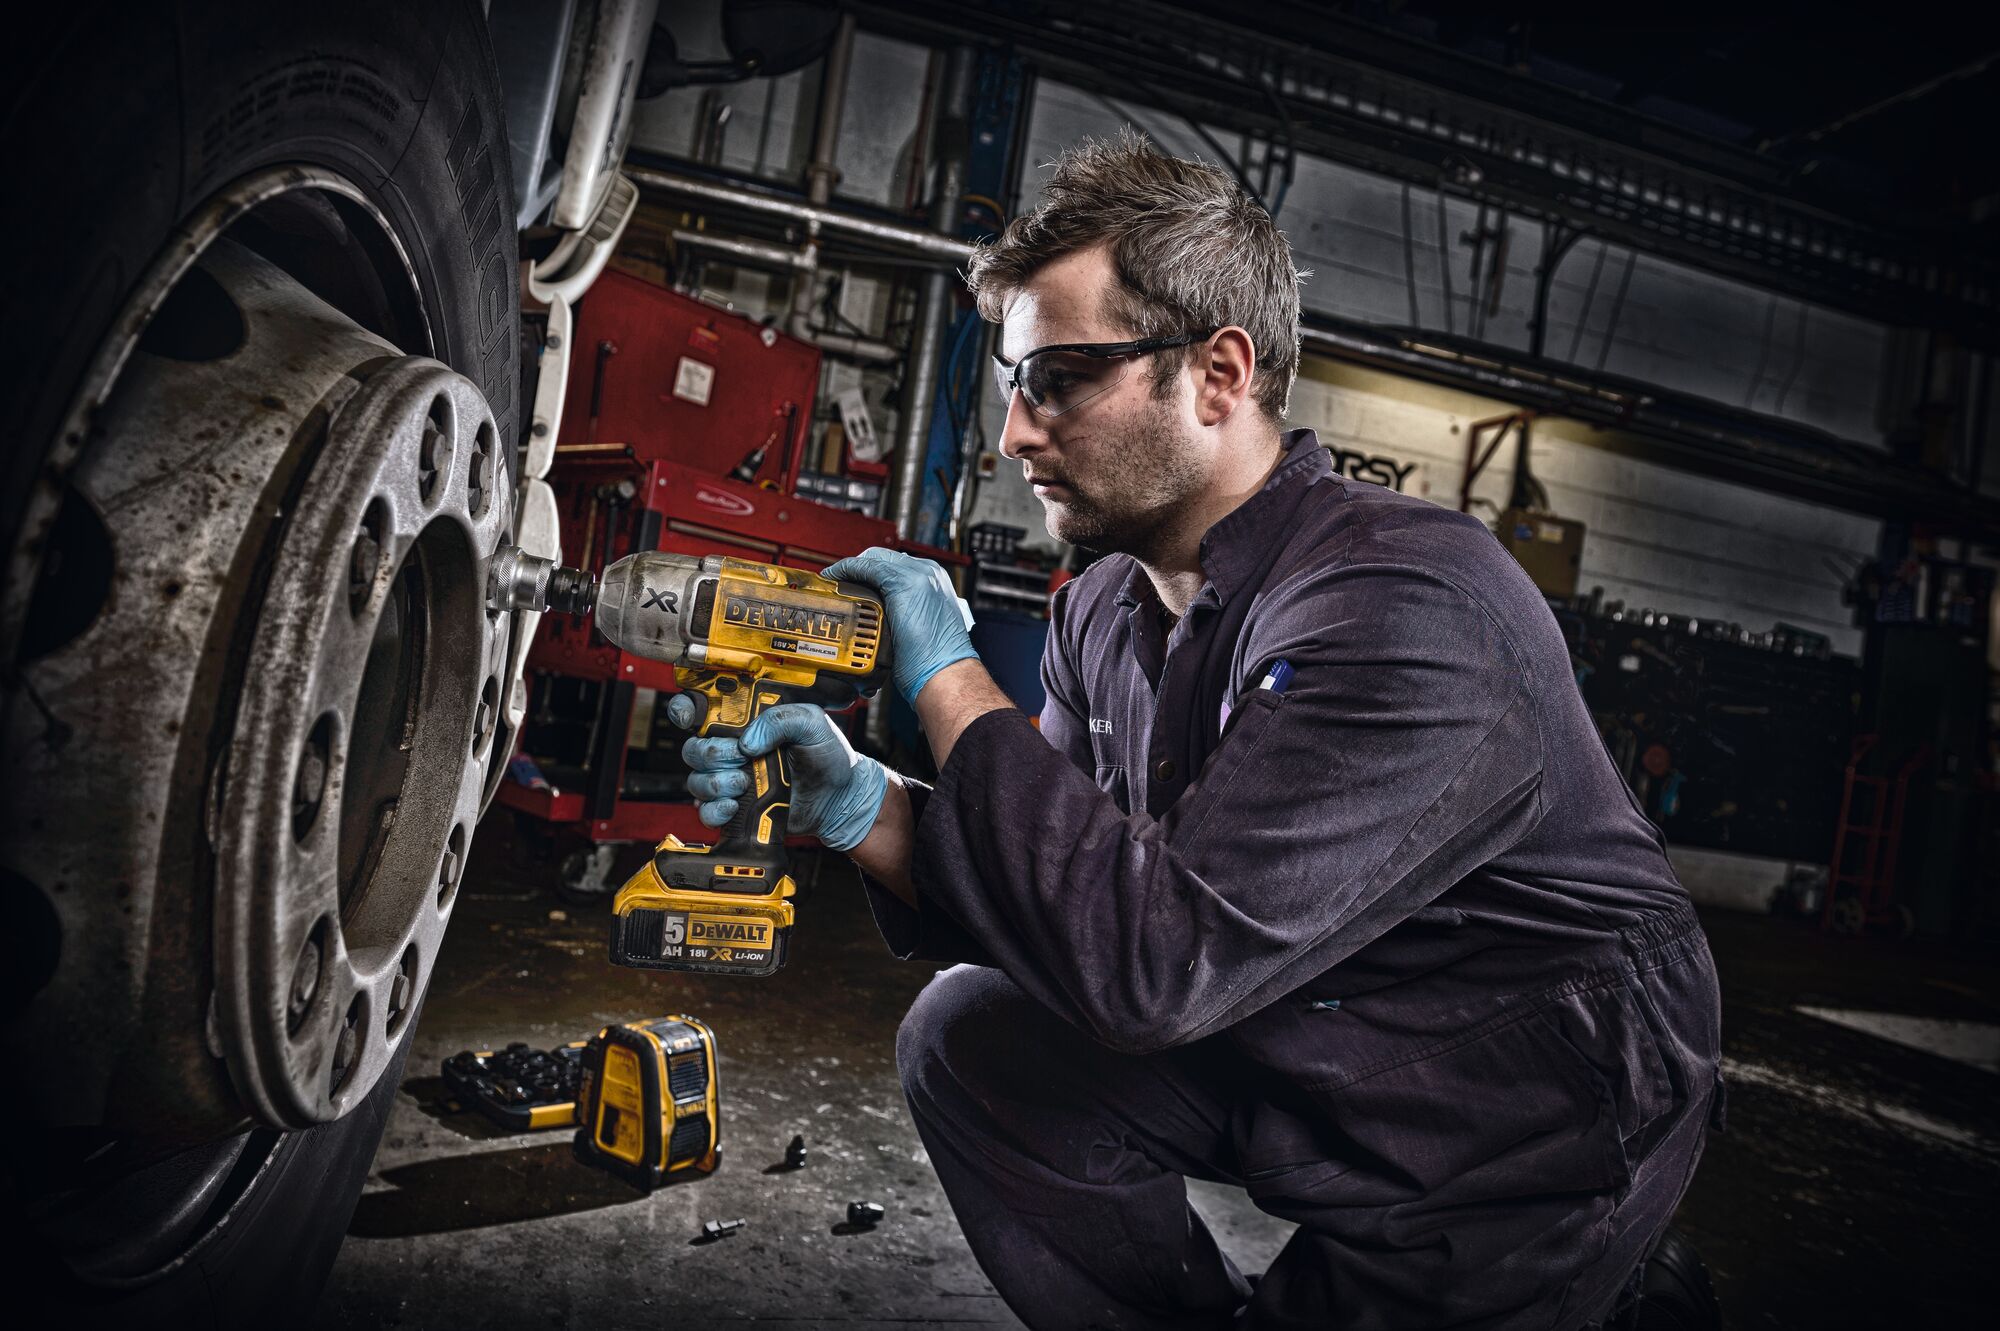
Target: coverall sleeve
<point>929,933</point>
<point>926,933</point>
<point>1404,754</point>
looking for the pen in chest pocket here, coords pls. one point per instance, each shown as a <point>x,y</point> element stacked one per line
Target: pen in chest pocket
<point>1276,679</point>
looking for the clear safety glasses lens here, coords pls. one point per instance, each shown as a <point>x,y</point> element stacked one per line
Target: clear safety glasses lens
<point>1054,382</point>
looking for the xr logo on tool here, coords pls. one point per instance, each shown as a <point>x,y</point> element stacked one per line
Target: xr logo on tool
<point>661,600</point>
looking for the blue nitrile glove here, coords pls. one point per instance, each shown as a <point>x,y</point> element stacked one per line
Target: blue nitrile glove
<point>928,623</point>
<point>836,793</point>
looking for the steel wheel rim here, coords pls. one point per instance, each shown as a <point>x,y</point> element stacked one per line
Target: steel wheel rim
<point>328,919</point>
<point>243,1160</point>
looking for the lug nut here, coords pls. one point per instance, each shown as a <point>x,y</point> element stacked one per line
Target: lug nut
<point>361,567</point>
<point>433,448</point>
<point>451,865</point>
<point>482,712</point>
<point>309,782</point>
<point>479,479</point>
<point>305,981</point>
<point>400,989</point>
<point>346,1045</point>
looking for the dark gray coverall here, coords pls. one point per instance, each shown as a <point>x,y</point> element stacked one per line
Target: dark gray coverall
<point>1394,949</point>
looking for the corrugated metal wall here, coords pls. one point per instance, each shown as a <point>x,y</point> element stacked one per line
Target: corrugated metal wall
<point>1656,536</point>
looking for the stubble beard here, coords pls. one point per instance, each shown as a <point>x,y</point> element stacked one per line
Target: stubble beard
<point>1144,474</point>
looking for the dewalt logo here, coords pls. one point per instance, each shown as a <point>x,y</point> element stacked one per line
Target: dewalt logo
<point>750,933</point>
<point>751,613</point>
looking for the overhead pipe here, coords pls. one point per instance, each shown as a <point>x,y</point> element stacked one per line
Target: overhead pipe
<point>815,216</point>
<point>910,241</point>
<point>802,262</point>
<point>774,256</point>
<point>920,380</point>
<point>856,348</point>
<point>821,171</point>
<point>785,256</point>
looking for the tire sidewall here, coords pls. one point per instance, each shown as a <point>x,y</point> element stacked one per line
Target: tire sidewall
<point>129,119</point>
<point>141,114</point>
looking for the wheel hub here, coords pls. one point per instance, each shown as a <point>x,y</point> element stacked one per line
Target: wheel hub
<point>279,701</point>
<point>362,742</point>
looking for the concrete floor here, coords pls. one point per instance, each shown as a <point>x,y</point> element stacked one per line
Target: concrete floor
<point>1855,1187</point>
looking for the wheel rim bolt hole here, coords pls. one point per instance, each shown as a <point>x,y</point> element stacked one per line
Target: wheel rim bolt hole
<point>453,865</point>
<point>364,566</point>
<point>305,978</point>
<point>479,479</point>
<point>309,786</point>
<point>434,449</point>
<point>401,990</point>
<point>347,1043</point>
<point>489,706</point>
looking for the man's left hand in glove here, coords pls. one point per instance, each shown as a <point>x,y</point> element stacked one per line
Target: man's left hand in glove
<point>836,792</point>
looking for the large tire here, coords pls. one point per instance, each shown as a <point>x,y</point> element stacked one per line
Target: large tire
<point>124,118</point>
<point>121,122</point>
<point>267,1263</point>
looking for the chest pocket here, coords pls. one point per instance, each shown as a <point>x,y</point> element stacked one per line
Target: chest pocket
<point>1241,740</point>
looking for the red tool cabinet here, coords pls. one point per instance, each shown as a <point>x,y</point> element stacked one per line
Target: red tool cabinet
<point>639,467</point>
<point>679,379</point>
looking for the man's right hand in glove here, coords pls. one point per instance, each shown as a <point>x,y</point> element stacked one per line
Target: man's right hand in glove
<point>928,625</point>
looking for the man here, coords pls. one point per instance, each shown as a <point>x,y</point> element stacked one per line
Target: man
<point>1316,877</point>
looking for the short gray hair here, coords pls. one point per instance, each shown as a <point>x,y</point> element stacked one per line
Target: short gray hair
<point>1191,247</point>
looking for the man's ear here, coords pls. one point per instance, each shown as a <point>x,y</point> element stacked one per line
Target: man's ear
<point>1226,365</point>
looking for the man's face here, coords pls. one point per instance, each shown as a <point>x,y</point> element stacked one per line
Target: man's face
<point>1113,470</point>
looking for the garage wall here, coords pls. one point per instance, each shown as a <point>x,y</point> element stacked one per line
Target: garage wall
<point>1655,537</point>
<point>769,124</point>
<point>1676,327</point>
<point>768,128</point>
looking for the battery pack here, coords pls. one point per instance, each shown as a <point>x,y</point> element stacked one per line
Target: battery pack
<point>647,1107</point>
<point>654,928</point>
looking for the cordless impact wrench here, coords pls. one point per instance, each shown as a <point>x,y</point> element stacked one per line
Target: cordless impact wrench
<point>741,636</point>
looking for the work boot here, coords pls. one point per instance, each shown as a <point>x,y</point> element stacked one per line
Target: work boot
<point>1669,1292</point>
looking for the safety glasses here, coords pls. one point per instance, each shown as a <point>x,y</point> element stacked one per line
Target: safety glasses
<point>1062,377</point>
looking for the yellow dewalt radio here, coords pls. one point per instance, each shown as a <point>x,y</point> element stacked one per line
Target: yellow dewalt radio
<point>742,636</point>
<point>647,1106</point>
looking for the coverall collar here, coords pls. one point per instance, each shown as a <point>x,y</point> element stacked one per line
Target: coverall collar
<point>1232,549</point>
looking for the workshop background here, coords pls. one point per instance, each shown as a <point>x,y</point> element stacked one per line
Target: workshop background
<point>1698,316</point>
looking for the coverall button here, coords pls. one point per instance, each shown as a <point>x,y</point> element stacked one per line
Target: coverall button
<point>1163,770</point>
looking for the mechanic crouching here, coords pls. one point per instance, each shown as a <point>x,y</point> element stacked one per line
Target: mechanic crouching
<point>1316,878</point>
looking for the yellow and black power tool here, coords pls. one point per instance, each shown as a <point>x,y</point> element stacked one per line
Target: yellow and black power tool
<point>742,636</point>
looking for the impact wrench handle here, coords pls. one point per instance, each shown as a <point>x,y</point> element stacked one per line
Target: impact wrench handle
<point>750,857</point>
